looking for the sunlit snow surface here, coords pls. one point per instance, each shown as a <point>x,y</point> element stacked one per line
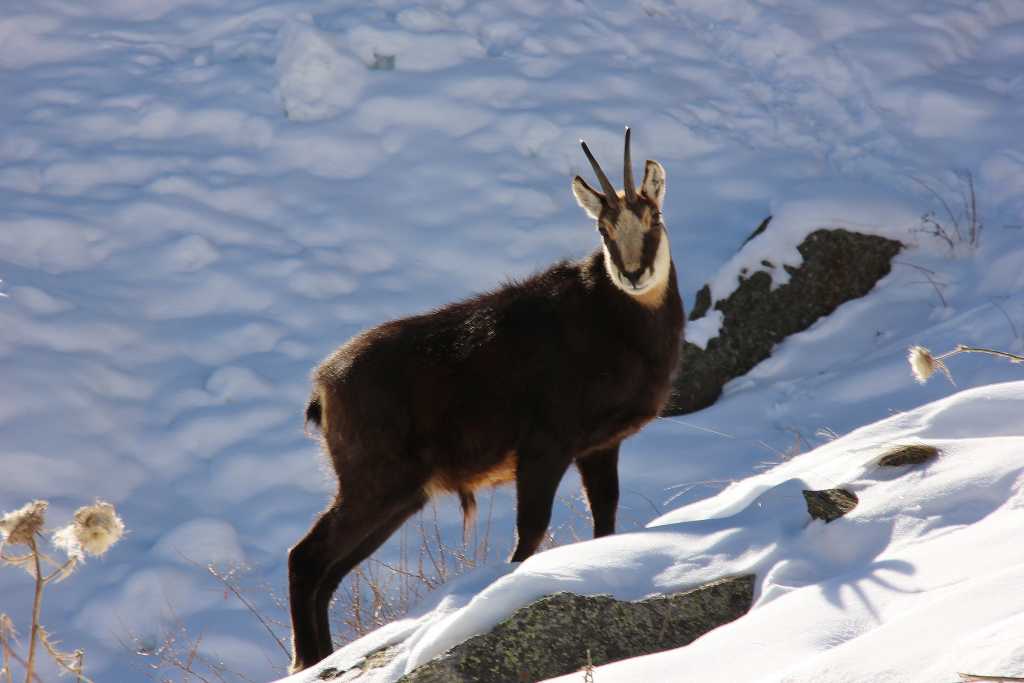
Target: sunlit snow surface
<point>200,199</point>
<point>906,587</point>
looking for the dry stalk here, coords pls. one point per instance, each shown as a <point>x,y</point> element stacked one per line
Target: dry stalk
<point>71,662</point>
<point>965,220</point>
<point>231,586</point>
<point>20,660</point>
<point>179,651</point>
<point>1012,357</point>
<point>37,603</point>
<point>588,670</point>
<point>7,633</point>
<point>1009,320</point>
<point>929,276</point>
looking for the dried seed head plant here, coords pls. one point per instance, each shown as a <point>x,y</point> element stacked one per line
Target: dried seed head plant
<point>93,531</point>
<point>923,363</point>
<point>21,526</point>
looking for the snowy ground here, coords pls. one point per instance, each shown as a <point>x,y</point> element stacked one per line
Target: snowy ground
<point>916,584</point>
<point>202,198</point>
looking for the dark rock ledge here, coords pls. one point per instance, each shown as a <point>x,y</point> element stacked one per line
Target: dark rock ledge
<point>838,266</point>
<point>551,636</point>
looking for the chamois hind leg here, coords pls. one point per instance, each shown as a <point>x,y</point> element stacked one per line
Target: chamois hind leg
<point>600,473</point>
<point>305,566</point>
<point>341,568</point>
<point>538,472</point>
<point>360,509</point>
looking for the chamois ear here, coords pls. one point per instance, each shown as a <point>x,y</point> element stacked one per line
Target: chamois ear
<point>587,197</point>
<point>654,182</point>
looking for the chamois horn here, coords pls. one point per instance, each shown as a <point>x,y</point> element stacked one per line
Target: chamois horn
<point>611,196</point>
<point>627,173</point>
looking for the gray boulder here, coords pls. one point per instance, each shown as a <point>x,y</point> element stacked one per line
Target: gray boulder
<point>551,637</point>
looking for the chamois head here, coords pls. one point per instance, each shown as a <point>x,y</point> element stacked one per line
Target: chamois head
<point>636,250</point>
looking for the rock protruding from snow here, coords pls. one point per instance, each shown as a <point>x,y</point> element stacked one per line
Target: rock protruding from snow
<point>838,266</point>
<point>909,454</point>
<point>830,504</point>
<point>552,636</point>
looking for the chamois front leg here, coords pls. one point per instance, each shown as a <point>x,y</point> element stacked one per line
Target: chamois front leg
<point>600,473</point>
<point>537,476</point>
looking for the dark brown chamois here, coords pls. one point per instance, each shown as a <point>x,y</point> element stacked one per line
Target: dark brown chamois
<point>513,385</point>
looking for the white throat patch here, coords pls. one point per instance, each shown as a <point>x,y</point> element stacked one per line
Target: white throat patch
<point>650,289</point>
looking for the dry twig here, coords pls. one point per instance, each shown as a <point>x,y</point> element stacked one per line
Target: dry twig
<point>231,586</point>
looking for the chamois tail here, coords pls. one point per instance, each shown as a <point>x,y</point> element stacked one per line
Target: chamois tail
<point>468,502</point>
<point>314,411</point>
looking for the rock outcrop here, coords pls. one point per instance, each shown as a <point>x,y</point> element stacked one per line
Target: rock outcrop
<point>838,266</point>
<point>909,454</point>
<point>552,636</point>
<point>829,504</point>
<point>556,634</point>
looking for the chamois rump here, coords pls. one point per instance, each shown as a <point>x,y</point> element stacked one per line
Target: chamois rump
<point>513,385</point>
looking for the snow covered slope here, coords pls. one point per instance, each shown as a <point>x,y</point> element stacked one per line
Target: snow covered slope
<point>200,199</point>
<point>915,584</point>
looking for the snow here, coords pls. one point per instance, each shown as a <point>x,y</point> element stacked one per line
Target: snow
<point>201,199</point>
<point>314,80</point>
<point>921,564</point>
<point>794,220</point>
<point>776,248</point>
<point>705,328</point>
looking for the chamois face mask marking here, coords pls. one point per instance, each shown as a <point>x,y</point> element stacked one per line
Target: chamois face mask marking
<point>637,257</point>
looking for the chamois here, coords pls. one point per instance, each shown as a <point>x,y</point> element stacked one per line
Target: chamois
<point>513,385</point>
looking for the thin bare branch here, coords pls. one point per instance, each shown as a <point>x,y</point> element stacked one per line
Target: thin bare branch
<point>975,224</point>
<point>932,227</point>
<point>930,277</point>
<point>1012,357</point>
<point>6,631</point>
<point>71,662</point>
<point>37,603</point>
<point>230,585</point>
<point>62,572</point>
<point>654,506</point>
<point>21,660</point>
<point>1016,334</point>
<point>945,204</point>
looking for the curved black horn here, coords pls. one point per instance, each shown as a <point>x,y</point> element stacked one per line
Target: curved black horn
<point>609,190</point>
<point>627,173</point>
